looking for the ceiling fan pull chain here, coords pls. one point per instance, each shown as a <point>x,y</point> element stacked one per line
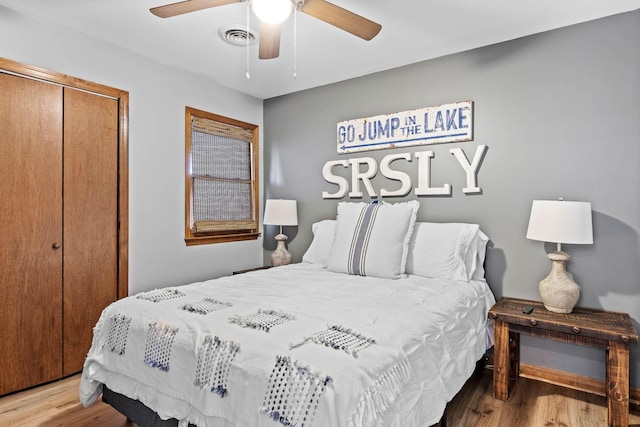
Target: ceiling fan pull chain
<point>295,44</point>
<point>248,36</point>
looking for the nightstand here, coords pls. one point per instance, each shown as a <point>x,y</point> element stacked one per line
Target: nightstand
<point>609,331</point>
<point>264,267</point>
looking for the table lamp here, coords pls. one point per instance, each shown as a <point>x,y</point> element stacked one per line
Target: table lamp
<point>280,212</point>
<point>560,221</point>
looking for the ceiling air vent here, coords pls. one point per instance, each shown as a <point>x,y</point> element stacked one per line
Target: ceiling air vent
<point>237,35</point>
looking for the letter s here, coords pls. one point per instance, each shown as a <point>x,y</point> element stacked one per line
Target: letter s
<point>341,182</point>
<point>395,175</point>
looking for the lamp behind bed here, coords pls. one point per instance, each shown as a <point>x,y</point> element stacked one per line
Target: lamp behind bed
<point>280,212</point>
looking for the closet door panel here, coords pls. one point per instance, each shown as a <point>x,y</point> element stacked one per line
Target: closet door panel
<point>30,232</point>
<point>90,218</point>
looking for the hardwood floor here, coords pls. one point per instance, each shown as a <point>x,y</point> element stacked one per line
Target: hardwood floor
<point>56,404</point>
<point>532,404</point>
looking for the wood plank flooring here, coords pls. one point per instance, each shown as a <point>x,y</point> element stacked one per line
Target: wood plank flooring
<point>57,405</point>
<point>532,404</point>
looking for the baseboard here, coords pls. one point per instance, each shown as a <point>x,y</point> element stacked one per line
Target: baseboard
<point>567,379</point>
<point>572,381</point>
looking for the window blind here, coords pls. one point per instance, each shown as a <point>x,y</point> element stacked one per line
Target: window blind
<point>222,181</point>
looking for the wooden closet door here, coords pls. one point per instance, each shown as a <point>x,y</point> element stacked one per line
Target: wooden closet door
<point>30,232</point>
<point>90,218</point>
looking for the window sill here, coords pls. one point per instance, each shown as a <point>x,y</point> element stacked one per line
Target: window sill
<point>221,238</point>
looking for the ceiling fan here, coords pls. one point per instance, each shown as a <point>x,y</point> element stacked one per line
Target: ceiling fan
<point>272,13</point>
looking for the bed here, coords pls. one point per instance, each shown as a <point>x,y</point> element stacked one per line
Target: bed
<point>341,339</point>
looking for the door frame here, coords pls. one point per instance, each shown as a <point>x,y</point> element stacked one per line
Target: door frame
<point>37,73</point>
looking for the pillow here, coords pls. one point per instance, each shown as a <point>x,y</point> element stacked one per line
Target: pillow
<point>373,239</point>
<point>320,247</point>
<point>443,250</point>
<point>481,241</point>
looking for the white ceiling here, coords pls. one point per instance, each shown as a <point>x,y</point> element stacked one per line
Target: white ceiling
<point>412,31</point>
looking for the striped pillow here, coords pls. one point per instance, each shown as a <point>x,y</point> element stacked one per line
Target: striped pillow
<point>373,239</point>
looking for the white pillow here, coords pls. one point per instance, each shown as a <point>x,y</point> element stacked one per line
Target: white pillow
<point>373,239</point>
<point>443,250</point>
<point>320,247</point>
<point>481,241</point>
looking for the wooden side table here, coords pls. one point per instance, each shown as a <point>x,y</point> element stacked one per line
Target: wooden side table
<point>609,331</point>
<point>264,267</point>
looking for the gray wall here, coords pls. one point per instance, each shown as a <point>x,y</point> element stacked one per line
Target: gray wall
<point>559,112</point>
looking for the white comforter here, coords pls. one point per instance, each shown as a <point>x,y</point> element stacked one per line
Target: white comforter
<point>423,337</point>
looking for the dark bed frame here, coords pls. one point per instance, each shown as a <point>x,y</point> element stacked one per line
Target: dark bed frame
<point>135,410</point>
<point>140,414</point>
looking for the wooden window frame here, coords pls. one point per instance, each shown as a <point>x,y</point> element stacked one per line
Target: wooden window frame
<point>192,238</point>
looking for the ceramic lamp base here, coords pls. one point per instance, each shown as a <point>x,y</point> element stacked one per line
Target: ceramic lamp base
<point>281,255</point>
<point>558,291</point>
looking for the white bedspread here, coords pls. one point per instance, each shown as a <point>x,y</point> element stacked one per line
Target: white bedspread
<point>423,338</point>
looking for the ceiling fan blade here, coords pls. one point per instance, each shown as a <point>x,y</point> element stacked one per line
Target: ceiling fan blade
<point>269,41</point>
<point>341,18</point>
<point>187,6</point>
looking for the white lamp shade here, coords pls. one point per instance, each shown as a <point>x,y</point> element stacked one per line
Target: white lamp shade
<point>560,222</point>
<point>281,212</point>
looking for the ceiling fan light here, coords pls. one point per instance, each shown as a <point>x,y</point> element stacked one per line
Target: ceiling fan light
<point>272,11</point>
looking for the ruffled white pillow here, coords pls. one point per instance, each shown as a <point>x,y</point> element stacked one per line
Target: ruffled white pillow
<point>320,247</point>
<point>453,251</point>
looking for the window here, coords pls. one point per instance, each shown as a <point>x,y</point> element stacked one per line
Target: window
<point>221,185</point>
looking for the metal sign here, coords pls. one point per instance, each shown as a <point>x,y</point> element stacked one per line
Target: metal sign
<point>430,125</point>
